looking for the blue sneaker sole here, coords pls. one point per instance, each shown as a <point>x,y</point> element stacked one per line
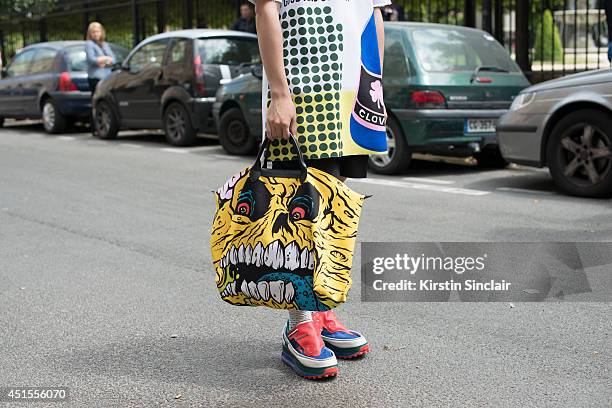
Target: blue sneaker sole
<point>349,353</point>
<point>307,372</point>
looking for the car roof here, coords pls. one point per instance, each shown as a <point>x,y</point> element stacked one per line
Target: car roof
<point>58,45</point>
<point>414,25</point>
<point>199,33</point>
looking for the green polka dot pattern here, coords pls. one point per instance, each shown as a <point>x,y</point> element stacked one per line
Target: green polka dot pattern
<point>312,44</point>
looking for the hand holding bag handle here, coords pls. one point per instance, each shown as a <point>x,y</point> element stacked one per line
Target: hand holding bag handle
<point>257,170</point>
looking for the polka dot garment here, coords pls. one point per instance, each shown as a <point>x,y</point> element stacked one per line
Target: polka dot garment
<point>332,64</point>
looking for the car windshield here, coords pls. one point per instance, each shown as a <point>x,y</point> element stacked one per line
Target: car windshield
<point>228,51</point>
<point>78,60</point>
<point>450,50</point>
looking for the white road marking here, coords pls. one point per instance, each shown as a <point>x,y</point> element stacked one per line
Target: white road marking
<point>427,180</point>
<point>524,190</point>
<point>174,150</point>
<point>132,145</point>
<point>66,137</point>
<point>227,157</point>
<point>204,148</point>
<point>422,186</point>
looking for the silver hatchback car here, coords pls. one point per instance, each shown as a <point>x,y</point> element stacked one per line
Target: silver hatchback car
<point>565,124</point>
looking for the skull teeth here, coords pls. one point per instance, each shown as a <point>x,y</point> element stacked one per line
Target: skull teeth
<point>275,256</point>
<point>279,291</point>
<point>230,290</point>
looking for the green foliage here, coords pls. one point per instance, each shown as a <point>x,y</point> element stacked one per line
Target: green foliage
<point>26,8</point>
<point>548,42</point>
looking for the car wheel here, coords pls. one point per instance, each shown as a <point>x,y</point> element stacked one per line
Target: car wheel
<point>579,154</point>
<point>398,156</point>
<point>234,134</point>
<point>105,122</point>
<point>490,158</point>
<point>177,125</point>
<point>53,120</point>
<point>1,122</point>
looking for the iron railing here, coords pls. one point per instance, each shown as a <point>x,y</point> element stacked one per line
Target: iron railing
<point>547,38</point>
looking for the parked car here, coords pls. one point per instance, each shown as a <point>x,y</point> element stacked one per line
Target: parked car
<point>565,124</point>
<point>445,88</point>
<point>169,81</point>
<point>237,112</point>
<point>49,81</point>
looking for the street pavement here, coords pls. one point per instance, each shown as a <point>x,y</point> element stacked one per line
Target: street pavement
<point>107,287</point>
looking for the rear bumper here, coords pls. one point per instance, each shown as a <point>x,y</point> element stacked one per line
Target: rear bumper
<point>203,114</point>
<point>520,138</point>
<point>73,103</point>
<point>442,131</point>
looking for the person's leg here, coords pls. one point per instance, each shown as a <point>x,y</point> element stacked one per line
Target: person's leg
<point>304,350</point>
<point>303,347</point>
<point>298,316</point>
<point>345,343</point>
<point>93,83</point>
<point>610,52</point>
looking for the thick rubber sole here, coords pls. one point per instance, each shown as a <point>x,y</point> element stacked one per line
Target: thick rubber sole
<point>349,353</point>
<point>308,372</point>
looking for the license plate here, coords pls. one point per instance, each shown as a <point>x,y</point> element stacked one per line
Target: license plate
<point>480,125</point>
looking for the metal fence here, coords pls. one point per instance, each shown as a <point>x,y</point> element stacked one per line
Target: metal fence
<point>126,22</point>
<point>547,38</point>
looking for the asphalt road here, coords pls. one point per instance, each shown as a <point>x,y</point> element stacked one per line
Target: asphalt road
<point>107,288</point>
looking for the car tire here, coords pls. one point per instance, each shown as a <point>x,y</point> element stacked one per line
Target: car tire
<point>105,122</point>
<point>234,134</point>
<point>1,122</point>
<point>579,153</point>
<point>491,158</point>
<point>178,126</point>
<point>399,154</point>
<point>53,121</point>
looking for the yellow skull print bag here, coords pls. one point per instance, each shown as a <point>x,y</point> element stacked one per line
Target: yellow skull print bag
<point>284,238</point>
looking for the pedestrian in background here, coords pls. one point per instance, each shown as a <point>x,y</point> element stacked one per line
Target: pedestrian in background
<point>246,22</point>
<point>100,57</point>
<point>393,12</point>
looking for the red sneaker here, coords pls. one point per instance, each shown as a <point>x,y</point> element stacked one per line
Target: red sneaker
<point>305,352</point>
<point>344,343</point>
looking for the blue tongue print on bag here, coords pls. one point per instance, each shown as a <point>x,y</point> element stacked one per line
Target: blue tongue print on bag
<point>304,295</point>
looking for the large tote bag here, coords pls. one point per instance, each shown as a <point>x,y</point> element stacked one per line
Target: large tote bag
<point>284,238</point>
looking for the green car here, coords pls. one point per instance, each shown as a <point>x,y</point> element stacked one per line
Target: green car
<point>445,88</point>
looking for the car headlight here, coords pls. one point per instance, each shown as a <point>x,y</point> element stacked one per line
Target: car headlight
<point>522,100</point>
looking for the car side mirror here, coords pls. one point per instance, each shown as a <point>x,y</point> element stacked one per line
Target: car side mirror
<point>257,71</point>
<point>116,66</point>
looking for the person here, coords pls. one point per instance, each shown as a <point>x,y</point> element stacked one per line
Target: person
<point>246,22</point>
<point>322,85</point>
<point>609,22</point>
<point>100,57</point>
<point>393,13</point>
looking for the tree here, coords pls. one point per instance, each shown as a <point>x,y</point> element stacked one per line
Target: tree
<point>26,8</point>
<point>548,42</point>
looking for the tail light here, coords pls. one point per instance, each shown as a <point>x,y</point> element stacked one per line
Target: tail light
<point>199,76</point>
<point>66,84</point>
<point>428,99</point>
<point>484,80</point>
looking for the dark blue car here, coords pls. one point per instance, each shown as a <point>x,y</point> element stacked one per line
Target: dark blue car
<point>49,81</point>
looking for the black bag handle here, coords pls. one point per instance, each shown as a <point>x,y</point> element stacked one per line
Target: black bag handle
<point>257,170</point>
